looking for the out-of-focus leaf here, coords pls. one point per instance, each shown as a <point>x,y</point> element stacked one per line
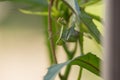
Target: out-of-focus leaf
<point>88,61</point>
<point>85,18</point>
<point>63,10</point>
<point>95,17</point>
<point>89,2</point>
<point>35,13</point>
<point>31,2</point>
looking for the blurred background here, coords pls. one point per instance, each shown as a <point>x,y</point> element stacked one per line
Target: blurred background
<point>23,50</point>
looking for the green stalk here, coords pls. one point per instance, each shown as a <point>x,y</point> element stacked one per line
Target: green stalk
<point>67,72</point>
<point>82,53</point>
<point>70,54</point>
<point>80,73</point>
<point>50,31</point>
<point>81,39</point>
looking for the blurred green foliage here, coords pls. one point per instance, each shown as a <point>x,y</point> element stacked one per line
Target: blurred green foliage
<point>76,23</point>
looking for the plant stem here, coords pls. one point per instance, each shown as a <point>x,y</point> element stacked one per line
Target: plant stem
<point>81,69</point>
<point>68,68</point>
<point>80,73</point>
<point>81,43</point>
<point>56,5</point>
<point>50,31</point>
<point>82,52</point>
<point>81,39</point>
<point>70,54</point>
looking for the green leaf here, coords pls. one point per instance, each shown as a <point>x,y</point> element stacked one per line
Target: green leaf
<point>88,61</point>
<point>89,2</point>
<point>54,70</point>
<point>73,5</point>
<point>85,18</point>
<point>35,13</point>
<point>95,17</point>
<point>31,2</point>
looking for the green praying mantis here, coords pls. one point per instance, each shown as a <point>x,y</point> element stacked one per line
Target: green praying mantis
<point>67,34</point>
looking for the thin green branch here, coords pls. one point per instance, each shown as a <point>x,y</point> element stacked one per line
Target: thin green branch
<point>81,43</point>
<point>68,69</point>
<point>56,5</point>
<point>82,53</point>
<point>70,54</point>
<point>50,30</point>
<point>80,73</point>
<point>81,40</point>
<point>60,76</point>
